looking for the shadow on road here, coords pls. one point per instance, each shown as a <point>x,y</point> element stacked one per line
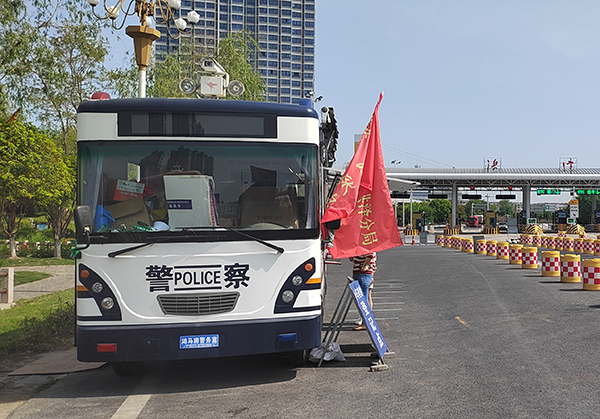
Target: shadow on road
<point>177,377</point>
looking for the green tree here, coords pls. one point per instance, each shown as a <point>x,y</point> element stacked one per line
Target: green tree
<point>27,157</point>
<point>59,202</point>
<point>585,209</point>
<point>51,61</point>
<point>461,212</point>
<point>51,57</point>
<point>506,208</point>
<point>15,43</point>
<point>163,76</point>
<point>66,70</point>
<point>440,208</point>
<point>123,81</point>
<point>234,55</point>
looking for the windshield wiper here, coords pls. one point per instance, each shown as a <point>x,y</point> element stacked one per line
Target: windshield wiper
<point>176,238</point>
<point>128,249</point>
<point>241,233</point>
<point>139,246</point>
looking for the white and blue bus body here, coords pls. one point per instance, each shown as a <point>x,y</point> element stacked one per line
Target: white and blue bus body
<point>201,219</point>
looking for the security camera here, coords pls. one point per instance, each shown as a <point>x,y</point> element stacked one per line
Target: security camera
<point>210,65</point>
<point>325,115</point>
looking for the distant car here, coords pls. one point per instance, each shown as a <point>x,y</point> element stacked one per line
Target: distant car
<point>502,228</point>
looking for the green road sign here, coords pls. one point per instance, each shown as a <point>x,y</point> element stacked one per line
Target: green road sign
<point>548,191</point>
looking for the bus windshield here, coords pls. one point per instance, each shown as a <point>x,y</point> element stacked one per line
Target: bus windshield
<point>152,186</point>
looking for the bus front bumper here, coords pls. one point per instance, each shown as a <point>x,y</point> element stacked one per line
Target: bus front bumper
<point>197,340</point>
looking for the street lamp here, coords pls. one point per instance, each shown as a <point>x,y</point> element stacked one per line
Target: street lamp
<point>163,12</point>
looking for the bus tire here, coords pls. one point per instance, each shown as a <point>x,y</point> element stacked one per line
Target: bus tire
<point>297,358</point>
<point>126,369</point>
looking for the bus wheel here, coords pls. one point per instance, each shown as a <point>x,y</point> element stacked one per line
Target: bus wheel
<point>126,369</point>
<point>297,358</point>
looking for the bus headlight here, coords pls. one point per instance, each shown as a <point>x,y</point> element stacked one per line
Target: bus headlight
<point>287,296</point>
<point>107,303</point>
<point>97,289</point>
<point>297,280</point>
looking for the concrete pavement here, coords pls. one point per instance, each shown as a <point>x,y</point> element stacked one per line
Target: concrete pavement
<point>55,363</point>
<point>62,278</point>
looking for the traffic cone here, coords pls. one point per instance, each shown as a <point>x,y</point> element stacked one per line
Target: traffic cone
<point>413,240</point>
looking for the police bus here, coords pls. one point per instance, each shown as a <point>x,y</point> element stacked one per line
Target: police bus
<point>198,229</point>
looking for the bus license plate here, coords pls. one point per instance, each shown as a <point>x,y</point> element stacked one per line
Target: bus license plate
<point>198,341</point>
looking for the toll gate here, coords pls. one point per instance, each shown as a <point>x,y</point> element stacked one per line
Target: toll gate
<point>452,183</point>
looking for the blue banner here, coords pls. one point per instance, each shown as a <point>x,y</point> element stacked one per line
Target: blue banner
<point>368,318</point>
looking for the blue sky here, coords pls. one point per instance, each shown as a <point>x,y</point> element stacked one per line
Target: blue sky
<point>464,80</point>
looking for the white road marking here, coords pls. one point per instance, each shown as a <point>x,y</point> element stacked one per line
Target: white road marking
<point>133,405</point>
<point>387,309</point>
<point>7,408</point>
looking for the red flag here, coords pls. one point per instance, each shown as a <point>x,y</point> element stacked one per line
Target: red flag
<point>362,201</point>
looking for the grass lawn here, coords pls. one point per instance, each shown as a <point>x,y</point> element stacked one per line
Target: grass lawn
<point>25,277</point>
<point>38,324</point>
<point>6,263</point>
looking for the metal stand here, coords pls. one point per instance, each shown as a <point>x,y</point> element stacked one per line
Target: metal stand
<point>353,292</point>
<point>337,320</point>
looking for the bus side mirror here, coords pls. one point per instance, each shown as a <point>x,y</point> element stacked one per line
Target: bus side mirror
<point>333,225</point>
<point>84,221</point>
